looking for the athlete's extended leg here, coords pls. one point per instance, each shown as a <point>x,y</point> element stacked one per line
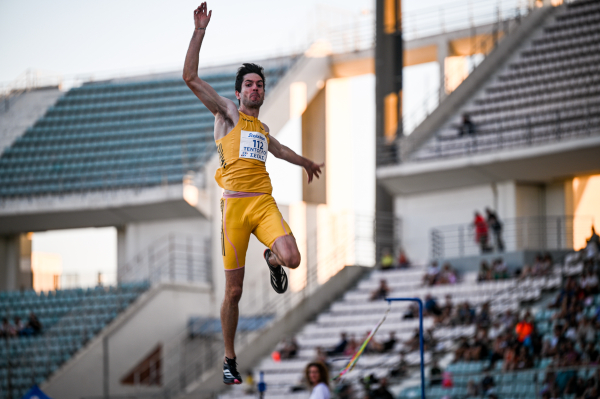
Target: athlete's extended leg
<point>285,252</point>
<point>234,280</point>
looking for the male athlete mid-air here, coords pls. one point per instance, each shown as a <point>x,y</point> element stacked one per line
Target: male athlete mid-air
<point>247,205</point>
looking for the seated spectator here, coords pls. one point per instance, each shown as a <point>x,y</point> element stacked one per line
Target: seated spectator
<point>19,326</point>
<point>403,262</point>
<point>382,391</point>
<point>487,384</point>
<point>431,306</point>
<point>33,325</point>
<point>500,269</point>
<point>484,271</point>
<point>352,346</point>
<point>435,374</point>
<point>390,343</point>
<point>290,349</point>
<point>523,360</point>
<point>401,368</point>
<point>431,276</point>
<point>413,343</point>
<point>381,292</point>
<point>411,312</point>
<point>464,315</point>
<point>524,328</point>
<point>472,389</point>
<point>466,127</point>
<point>373,346</point>
<point>7,330</point>
<point>484,317</point>
<point>387,260</point>
<point>447,275</point>
<point>340,347</point>
<point>447,310</point>
<point>589,283</point>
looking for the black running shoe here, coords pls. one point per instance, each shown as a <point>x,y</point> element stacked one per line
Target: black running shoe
<point>230,373</point>
<point>279,280</point>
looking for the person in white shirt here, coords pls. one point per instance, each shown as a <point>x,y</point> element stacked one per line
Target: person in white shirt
<point>317,376</point>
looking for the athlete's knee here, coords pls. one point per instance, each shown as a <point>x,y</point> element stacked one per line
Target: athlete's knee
<point>293,260</point>
<point>234,294</point>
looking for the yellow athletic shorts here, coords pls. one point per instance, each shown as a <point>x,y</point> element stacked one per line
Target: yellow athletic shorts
<point>240,216</point>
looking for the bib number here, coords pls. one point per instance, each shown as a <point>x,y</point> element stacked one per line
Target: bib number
<point>253,145</point>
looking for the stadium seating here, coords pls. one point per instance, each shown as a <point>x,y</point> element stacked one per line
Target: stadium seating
<point>70,318</point>
<point>550,92</point>
<point>355,314</point>
<point>112,135</point>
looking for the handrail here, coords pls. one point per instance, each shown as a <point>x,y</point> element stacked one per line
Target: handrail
<point>530,232</point>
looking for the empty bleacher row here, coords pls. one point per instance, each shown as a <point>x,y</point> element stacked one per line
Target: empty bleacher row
<point>355,314</point>
<point>550,92</point>
<point>69,318</point>
<point>113,135</point>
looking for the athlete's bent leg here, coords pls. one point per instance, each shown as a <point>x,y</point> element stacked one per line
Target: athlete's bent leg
<point>285,252</point>
<point>234,280</point>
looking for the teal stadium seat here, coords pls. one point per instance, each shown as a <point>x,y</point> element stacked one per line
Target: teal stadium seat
<point>116,135</point>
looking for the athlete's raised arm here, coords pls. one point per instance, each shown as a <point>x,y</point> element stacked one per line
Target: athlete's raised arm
<point>282,152</point>
<point>210,98</point>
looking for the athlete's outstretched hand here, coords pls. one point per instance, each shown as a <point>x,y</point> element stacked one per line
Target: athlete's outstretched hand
<point>201,19</point>
<point>313,169</point>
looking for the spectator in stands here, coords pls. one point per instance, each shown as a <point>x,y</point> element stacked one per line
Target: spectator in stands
<point>472,389</point>
<point>487,384</point>
<point>524,328</point>
<point>387,260</point>
<point>411,312</point>
<point>447,309</point>
<point>592,244</point>
<point>7,330</point>
<point>317,376</point>
<point>33,325</point>
<point>483,320</point>
<point>495,225</point>
<point>381,292</point>
<point>466,127</point>
<point>464,314</point>
<point>340,347</point>
<point>447,275</point>
<point>19,326</point>
<point>481,232</point>
<point>435,374</point>
<point>290,349</point>
<point>249,386</point>
<point>431,306</point>
<point>401,368</point>
<point>484,271</point>
<point>403,261</point>
<point>589,283</point>
<point>382,391</point>
<point>432,274</point>
<point>500,269</point>
<point>390,343</point>
<point>352,346</point>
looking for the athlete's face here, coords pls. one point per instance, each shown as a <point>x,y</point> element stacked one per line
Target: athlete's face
<point>253,91</point>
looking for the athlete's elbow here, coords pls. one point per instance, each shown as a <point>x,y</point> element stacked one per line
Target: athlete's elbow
<point>189,77</point>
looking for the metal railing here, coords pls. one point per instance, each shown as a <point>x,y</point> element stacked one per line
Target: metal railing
<point>171,258</point>
<point>537,233</point>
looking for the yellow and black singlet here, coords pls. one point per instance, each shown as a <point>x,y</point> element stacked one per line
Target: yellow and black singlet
<point>243,154</point>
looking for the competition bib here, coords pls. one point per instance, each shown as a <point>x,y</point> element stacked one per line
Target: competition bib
<point>253,145</point>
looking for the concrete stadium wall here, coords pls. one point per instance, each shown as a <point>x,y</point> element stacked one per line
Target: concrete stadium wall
<point>422,212</point>
<point>155,318</point>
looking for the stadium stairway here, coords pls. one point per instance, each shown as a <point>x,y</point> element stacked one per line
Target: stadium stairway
<point>355,314</point>
<point>70,319</point>
<point>540,84</point>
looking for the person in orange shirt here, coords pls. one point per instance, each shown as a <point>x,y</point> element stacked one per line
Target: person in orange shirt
<point>247,206</point>
<point>524,328</point>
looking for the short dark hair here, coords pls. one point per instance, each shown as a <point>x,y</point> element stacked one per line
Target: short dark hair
<point>323,372</point>
<point>245,69</point>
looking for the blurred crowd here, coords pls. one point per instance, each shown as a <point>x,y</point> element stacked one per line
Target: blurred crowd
<point>19,328</point>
